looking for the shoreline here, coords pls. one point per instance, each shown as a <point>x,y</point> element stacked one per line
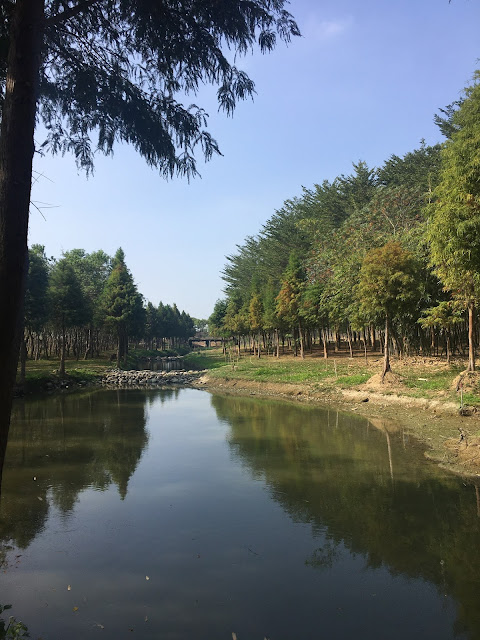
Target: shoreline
<point>435,422</point>
<point>432,422</point>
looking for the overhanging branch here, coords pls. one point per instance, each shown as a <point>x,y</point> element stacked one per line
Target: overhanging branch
<point>70,13</point>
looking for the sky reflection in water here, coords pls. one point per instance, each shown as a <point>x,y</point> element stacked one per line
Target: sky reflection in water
<point>249,516</point>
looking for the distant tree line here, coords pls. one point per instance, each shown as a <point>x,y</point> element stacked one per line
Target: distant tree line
<point>384,257</point>
<point>87,303</point>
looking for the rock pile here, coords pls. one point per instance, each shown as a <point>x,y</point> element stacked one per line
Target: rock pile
<point>119,378</point>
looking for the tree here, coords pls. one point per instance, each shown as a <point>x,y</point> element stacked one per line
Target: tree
<point>36,305</point>
<point>120,303</point>
<point>67,303</point>
<point>289,299</point>
<point>216,319</point>
<point>387,287</point>
<point>113,68</point>
<point>255,318</point>
<point>454,225</point>
<point>92,271</point>
<point>444,316</point>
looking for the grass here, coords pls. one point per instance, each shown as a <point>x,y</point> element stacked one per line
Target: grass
<point>205,359</point>
<point>421,378</point>
<point>428,378</point>
<point>293,370</point>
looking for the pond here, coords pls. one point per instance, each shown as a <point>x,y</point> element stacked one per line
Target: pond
<point>176,514</point>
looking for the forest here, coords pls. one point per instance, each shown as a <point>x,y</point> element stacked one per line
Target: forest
<point>385,257</point>
<point>87,303</point>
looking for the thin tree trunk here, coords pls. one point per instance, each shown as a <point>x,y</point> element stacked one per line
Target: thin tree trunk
<point>23,363</point>
<point>349,339</point>
<point>62,354</point>
<point>325,347</point>
<point>386,352</point>
<point>471,339</point>
<point>302,349</point>
<point>119,346</point>
<point>16,156</point>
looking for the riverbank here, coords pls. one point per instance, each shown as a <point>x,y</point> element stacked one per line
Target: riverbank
<point>432,400</point>
<point>423,395</point>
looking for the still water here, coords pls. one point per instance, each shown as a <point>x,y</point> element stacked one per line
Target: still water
<point>179,514</point>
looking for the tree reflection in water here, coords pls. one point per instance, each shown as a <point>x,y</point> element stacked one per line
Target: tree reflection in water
<point>72,442</point>
<point>360,483</point>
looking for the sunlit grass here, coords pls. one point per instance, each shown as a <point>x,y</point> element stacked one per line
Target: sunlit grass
<point>293,371</point>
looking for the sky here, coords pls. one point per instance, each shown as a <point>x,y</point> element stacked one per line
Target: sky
<point>362,83</point>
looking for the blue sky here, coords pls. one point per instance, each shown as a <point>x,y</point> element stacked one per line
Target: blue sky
<point>362,83</point>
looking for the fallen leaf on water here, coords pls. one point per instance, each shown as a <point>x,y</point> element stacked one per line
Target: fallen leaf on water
<point>75,608</point>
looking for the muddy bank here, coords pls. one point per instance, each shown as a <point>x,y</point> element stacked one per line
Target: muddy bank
<point>450,439</point>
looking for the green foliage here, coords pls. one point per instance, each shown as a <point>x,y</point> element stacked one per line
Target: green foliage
<point>454,229</point>
<point>292,287</point>
<point>255,312</point>
<point>67,306</point>
<point>92,271</point>
<point>120,296</point>
<point>13,629</point>
<point>120,70</point>
<point>445,315</point>
<point>387,286</point>
<point>36,302</point>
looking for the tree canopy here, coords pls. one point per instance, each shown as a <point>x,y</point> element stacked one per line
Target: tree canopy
<point>101,72</point>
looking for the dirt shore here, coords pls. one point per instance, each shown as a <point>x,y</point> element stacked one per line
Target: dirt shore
<point>451,439</point>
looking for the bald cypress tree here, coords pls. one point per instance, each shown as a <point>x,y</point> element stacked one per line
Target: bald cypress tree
<point>67,304</point>
<point>454,225</point>
<point>120,303</point>
<point>116,70</point>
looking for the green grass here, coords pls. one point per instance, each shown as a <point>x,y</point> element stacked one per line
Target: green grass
<point>430,379</point>
<point>205,359</point>
<point>296,371</point>
<point>471,399</point>
<point>353,380</point>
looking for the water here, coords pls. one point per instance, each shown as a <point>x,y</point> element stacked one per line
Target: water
<point>180,514</point>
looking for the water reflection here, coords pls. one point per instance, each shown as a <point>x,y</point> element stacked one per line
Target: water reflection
<point>359,481</point>
<point>61,445</point>
<point>247,516</point>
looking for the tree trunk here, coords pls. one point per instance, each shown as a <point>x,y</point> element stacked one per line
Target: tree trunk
<point>471,339</point>
<point>349,339</point>
<point>16,156</point>
<point>119,346</point>
<point>325,347</point>
<point>386,352</point>
<point>300,334</point>
<point>23,363</point>
<point>62,354</point>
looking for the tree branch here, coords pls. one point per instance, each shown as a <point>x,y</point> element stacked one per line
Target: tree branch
<point>69,13</point>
